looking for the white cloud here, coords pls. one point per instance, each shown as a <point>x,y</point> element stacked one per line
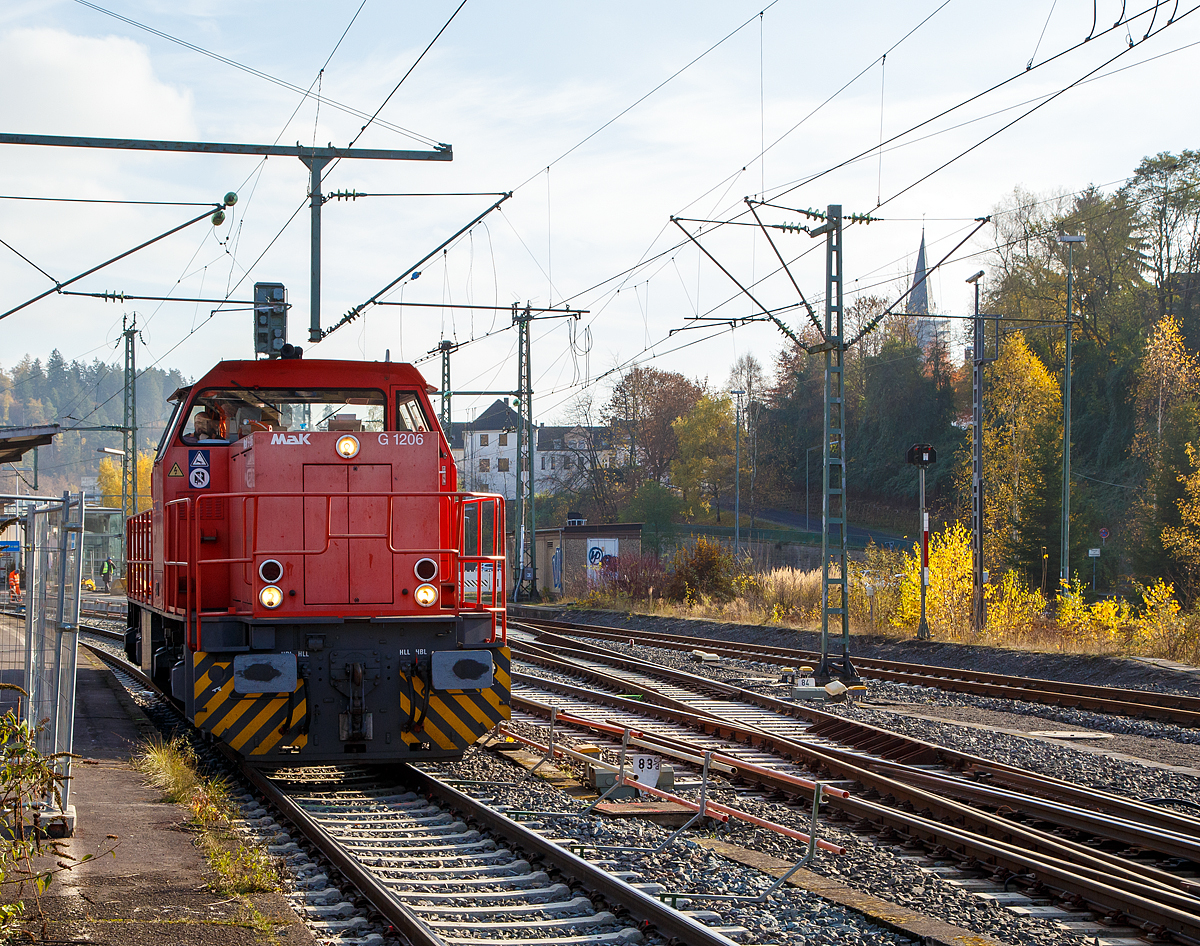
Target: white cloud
<point>64,84</point>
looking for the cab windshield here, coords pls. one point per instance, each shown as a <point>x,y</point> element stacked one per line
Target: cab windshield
<point>222,415</point>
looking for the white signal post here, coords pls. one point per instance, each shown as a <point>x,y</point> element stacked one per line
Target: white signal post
<point>922,455</point>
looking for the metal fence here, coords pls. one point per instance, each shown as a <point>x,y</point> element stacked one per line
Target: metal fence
<point>38,649</point>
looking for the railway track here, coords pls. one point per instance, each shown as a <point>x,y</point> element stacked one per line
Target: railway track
<point>1166,707</point>
<point>965,810</point>
<point>443,867</point>
<point>962,812</point>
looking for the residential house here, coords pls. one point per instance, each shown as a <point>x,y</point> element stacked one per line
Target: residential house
<point>485,450</point>
<point>566,455</point>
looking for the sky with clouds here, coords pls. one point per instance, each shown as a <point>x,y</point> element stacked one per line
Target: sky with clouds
<point>515,87</point>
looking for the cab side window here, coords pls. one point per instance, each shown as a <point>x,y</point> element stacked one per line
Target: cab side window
<point>410,415</point>
<point>206,423</point>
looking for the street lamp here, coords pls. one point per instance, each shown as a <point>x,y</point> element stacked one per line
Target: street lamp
<point>1064,573</point>
<point>737,478</point>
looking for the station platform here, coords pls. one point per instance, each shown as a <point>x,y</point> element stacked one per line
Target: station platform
<point>153,888</point>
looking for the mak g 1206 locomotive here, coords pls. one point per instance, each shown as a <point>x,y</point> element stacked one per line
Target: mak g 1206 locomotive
<point>310,585</point>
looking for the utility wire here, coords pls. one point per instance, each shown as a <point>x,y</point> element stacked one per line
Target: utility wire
<point>961,104</point>
<point>416,63</point>
<point>307,93</point>
<point>29,261</point>
<point>643,98</point>
<point>1026,114</point>
<point>901,134</point>
<point>95,200</point>
<point>141,246</point>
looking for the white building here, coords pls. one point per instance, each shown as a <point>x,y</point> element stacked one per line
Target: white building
<point>485,450</point>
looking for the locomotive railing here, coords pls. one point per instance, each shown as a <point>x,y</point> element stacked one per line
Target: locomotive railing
<point>474,522</point>
<point>139,542</point>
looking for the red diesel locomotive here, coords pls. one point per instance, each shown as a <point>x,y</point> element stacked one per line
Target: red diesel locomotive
<point>310,583</point>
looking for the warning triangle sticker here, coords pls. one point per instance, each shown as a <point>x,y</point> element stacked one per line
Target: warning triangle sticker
<point>175,471</point>
<point>200,458</point>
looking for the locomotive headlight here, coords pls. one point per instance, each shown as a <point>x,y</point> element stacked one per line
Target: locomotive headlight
<point>425,595</point>
<point>347,447</point>
<point>271,596</point>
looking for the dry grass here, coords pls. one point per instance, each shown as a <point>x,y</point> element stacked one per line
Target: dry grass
<point>239,868</point>
<point>1018,618</point>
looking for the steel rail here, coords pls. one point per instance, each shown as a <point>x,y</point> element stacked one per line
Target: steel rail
<point>865,771</point>
<point>382,899</point>
<point>1169,707</point>
<point>905,749</point>
<point>1078,872</point>
<point>666,920</point>
<point>376,894</point>
<point>115,636</point>
<point>839,729</point>
<point>1078,883</point>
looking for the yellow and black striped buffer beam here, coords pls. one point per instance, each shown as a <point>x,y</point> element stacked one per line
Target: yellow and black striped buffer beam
<point>252,724</point>
<point>455,719</point>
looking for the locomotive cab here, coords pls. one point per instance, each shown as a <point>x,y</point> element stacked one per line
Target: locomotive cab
<point>310,582</point>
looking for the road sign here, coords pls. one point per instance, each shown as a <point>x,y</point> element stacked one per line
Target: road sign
<point>1104,533</point>
<point>1093,553</point>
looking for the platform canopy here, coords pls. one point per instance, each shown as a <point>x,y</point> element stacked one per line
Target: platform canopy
<point>15,442</point>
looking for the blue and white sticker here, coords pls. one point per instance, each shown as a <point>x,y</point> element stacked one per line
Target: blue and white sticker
<point>199,476</point>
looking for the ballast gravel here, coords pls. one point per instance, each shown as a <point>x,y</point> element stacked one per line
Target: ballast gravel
<point>792,915</point>
<point>892,875</point>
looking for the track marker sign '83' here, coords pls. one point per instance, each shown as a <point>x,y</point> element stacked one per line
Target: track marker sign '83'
<point>199,476</point>
<point>646,769</point>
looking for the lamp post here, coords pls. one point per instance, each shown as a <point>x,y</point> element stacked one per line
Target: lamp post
<point>978,614</point>
<point>737,477</point>
<point>1064,572</point>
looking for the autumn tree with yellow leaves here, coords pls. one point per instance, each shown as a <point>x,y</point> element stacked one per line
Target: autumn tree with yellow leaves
<point>1167,421</point>
<point>1022,457</point>
<point>109,481</point>
<point>706,435</point>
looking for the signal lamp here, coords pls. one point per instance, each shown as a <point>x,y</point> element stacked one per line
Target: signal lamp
<point>426,569</point>
<point>425,595</point>
<point>218,218</point>
<point>230,199</point>
<point>271,596</point>
<point>270,571</point>
<point>347,447</point>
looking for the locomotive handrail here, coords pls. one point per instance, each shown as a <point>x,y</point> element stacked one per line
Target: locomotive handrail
<point>181,535</point>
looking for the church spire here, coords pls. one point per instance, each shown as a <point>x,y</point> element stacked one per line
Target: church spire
<point>918,299</point>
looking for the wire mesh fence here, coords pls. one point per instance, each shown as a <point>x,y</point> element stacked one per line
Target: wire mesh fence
<point>39,647</point>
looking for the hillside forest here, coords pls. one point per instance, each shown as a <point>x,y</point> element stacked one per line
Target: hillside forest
<point>78,394</point>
